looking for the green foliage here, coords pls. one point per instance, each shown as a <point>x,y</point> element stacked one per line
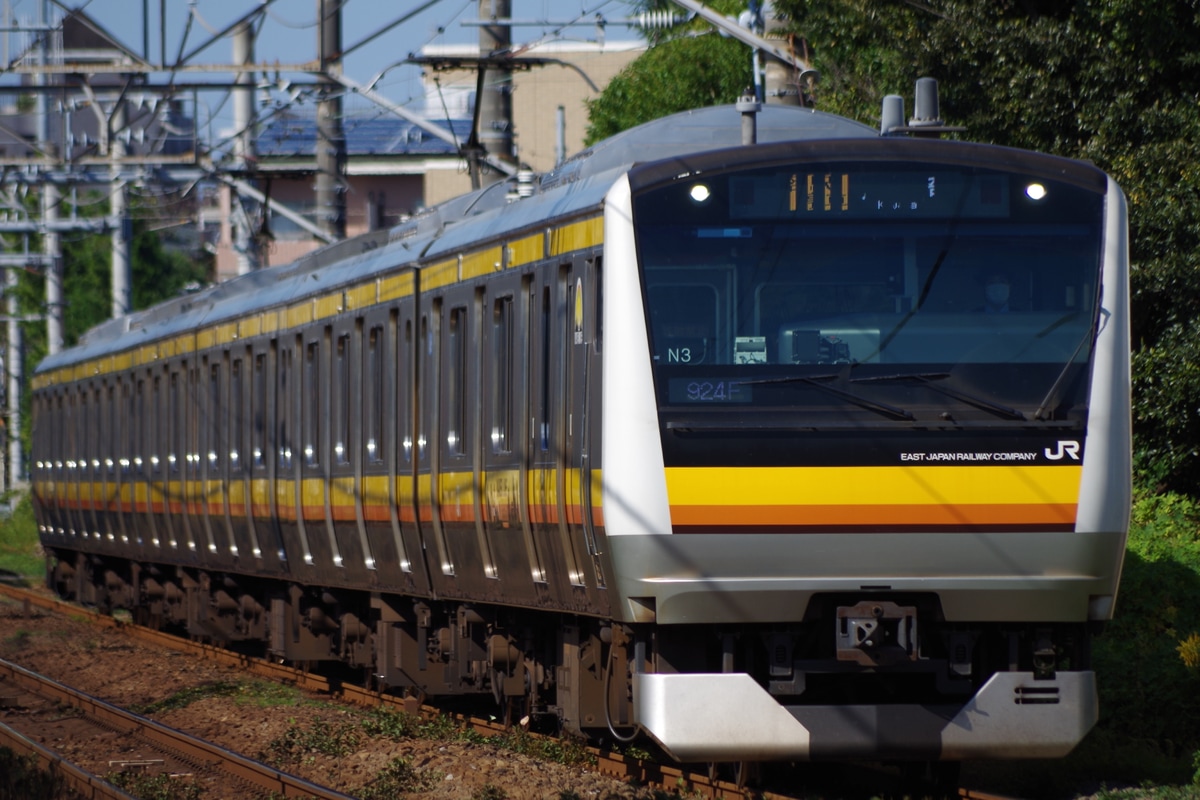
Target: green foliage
<point>21,779</point>
<point>17,641</point>
<point>398,778</point>
<point>260,694</point>
<point>1139,661</point>
<point>386,723</point>
<point>156,787</point>
<point>567,751</point>
<point>1113,82</point>
<point>489,792</point>
<point>299,745</point>
<point>159,272</point>
<point>697,68</point>
<point>20,550</point>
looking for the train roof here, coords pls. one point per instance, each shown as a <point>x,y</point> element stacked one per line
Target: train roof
<point>575,187</point>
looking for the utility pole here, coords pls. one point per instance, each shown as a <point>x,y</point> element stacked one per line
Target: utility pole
<point>782,81</point>
<point>245,243</point>
<point>122,268</point>
<point>50,199</point>
<point>494,92</point>
<point>331,137</point>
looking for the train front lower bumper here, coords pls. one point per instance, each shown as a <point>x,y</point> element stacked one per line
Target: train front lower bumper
<point>729,717</point>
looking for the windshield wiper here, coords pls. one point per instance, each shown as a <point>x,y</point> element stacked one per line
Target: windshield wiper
<point>928,379</point>
<point>1052,396</point>
<point>816,381</point>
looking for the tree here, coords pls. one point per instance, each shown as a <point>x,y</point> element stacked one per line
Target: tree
<point>159,273</point>
<point>1113,81</point>
<point>693,68</point>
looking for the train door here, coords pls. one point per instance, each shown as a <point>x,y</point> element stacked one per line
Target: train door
<point>550,421</point>
<point>190,410</point>
<point>234,512</point>
<point>232,420</point>
<point>124,424</point>
<point>257,463</point>
<point>580,367</point>
<point>407,360</point>
<point>208,461</point>
<point>439,565</point>
<point>505,349</point>
<point>160,448</point>
<point>343,508</point>
<point>83,440</point>
<point>64,434</point>
<point>312,499</point>
<point>176,449</point>
<point>111,451</point>
<point>460,474</point>
<point>89,490</point>
<point>379,461</point>
<point>287,497</point>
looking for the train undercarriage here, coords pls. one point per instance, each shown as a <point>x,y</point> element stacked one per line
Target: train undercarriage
<point>889,658</point>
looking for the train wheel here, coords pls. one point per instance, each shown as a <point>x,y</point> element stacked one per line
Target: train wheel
<point>735,772</point>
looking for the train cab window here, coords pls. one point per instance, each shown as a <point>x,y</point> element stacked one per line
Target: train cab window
<point>684,321</point>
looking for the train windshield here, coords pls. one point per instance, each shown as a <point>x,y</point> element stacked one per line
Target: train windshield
<point>884,293</point>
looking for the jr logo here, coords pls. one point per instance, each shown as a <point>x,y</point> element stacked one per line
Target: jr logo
<point>1068,448</point>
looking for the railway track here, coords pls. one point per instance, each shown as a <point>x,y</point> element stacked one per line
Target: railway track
<point>642,772</point>
<point>221,771</point>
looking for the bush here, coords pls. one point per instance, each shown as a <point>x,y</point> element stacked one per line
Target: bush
<point>1149,681</point>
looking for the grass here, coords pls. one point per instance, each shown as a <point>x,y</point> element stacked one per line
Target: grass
<point>156,787</point>
<point>259,694</point>
<point>20,550</point>
<point>21,777</point>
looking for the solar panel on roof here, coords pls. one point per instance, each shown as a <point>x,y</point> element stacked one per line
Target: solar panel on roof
<point>295,135</point>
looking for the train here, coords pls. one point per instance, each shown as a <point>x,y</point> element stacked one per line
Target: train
<point>807,444</point>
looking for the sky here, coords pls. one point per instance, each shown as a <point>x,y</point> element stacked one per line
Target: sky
<point>289,33</point>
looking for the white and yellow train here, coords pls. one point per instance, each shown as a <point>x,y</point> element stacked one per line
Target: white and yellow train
<point>812,448</point>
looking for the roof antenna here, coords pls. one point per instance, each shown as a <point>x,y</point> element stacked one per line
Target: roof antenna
<point>925,122</point>
<point>749,106</point>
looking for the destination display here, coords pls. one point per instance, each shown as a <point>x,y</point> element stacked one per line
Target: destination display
<point>855,194</point>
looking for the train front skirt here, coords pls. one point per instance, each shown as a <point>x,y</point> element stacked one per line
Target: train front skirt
<point>701,717</point>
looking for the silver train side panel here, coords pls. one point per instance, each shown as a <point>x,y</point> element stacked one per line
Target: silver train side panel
<point>1102,506</point>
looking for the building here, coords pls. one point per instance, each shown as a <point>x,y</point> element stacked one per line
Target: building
<point>394,168</point>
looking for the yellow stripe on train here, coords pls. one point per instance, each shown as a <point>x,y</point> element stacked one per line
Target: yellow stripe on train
<point>880,496</point>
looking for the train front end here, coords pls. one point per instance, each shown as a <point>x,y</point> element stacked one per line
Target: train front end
<point>866,447</point>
